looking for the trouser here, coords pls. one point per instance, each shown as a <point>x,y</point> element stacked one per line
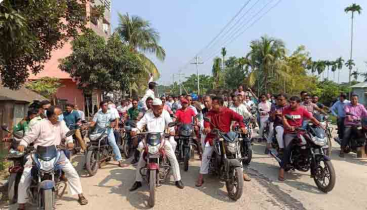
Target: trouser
<point>112,143</point>
<point>70,172</point>
<point>271,133</point>
<point>170,152</point>
<point>288,138</point>
<point>117,137</point>
<point>279,135</point>
<point>203,136</point>
<point>305,123</point>
<point>205,161</point>
<point>341,127</point>
<point>347,132</point>
<point>263,121</point>
<point>78,136</point>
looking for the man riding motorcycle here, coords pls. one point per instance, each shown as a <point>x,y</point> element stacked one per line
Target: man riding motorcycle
<point>101,119</point>
<point>156,120</point>
<point>49,132</point>
<point>72,118</point>
<point>354,113</point>
<point>298,114</point>
<point>221,117</point>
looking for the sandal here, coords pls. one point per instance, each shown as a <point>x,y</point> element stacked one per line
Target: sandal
<point>83,201</point>
<point>281,177</point>
<point>122,165</point>
<point>199,184</point>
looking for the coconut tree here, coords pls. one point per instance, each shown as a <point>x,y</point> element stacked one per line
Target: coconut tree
<point>265,59</point>
<point>141,38</point>
<point>339,64</point>
<point>352,8</point>
<point>216,71</point>
<point>224,53</point>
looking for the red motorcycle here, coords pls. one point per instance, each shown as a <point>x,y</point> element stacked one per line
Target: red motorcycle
<point>157,168</point>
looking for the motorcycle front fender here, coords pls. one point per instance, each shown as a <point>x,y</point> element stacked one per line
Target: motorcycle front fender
<point>234,163</point>
<point>325,157</point>
<point>153,166</point>
<point>46,185</point>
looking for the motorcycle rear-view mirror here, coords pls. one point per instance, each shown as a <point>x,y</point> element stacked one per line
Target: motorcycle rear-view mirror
<point>70,133</point>
<point>206,119</point>
<point>288,117</point>
<point>5,128</point>
<point>172,124</point>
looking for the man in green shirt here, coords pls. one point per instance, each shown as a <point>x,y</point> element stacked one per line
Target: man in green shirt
<point>133,112</point>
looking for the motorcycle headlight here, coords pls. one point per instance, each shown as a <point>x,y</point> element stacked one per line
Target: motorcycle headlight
<point>186,132</point>
<point>47,165</point>
<point>319,141</point>
<point>153,149</point>
<point>232,148</point>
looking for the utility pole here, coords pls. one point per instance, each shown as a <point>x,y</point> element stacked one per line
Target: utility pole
<point>179,81</point>
<point>197,71</point>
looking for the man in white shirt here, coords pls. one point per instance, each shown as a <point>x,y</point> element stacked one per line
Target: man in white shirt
<point>248,102</point>
<point>80,112</point>
<point>49,132</point>
<point>150,92</point>
<point>156,120</point>
<point>240,108</point>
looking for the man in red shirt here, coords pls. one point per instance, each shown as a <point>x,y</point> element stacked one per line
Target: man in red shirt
<point>298,114</point>
<point>185,115</point>
<point>221,117</point>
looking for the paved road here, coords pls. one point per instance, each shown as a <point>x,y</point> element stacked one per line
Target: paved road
<point>109,189</point>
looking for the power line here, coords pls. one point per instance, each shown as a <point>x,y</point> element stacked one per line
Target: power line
<point>235,37</point>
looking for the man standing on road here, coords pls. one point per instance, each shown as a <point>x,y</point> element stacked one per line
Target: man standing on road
<point>298,115</point>
<point>72,119</point>
<point>264,109</point>
<point>338,110</point>
<point>49,132</point>
<point>101,120</point>
<point>150,92</point>
<point>156,120</point>
<point>354,112</point>
<point>221,117</point>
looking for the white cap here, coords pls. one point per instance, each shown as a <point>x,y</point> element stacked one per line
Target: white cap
<point>157,102</point>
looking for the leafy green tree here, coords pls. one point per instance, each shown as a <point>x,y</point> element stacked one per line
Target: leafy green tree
<point>96,64</point>
<point>224,53</point>
<point>46,86</point>
<point>31,30</point>
<point>190,85</point>
<point>217,72</point>
<point>352,8</point>
<point>339,63</point>
<point>141,38</point>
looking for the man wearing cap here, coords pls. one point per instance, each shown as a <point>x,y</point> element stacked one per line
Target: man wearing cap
<point>156,120</point>
<point>150,92</point>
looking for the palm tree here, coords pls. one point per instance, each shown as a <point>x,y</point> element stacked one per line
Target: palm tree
<point>339,64</point>
<point>333,68</point>
<point>224,53</point>
<point>265,60</point>
<point>141,38</point>
<point>216,71</point>
<point>353,8</point>
<point>320,66</point>
<point>350,63</point>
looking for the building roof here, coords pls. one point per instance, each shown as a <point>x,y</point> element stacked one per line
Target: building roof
<point>23,94</point>
<point>360,85</point>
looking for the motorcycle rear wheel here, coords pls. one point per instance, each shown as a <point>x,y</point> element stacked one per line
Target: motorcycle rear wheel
<point>152,186</point>
<point>126,149</point>
<point>48,199</point>
<point>235,184</point>
<point>325,172</point>
<point>92,162</point>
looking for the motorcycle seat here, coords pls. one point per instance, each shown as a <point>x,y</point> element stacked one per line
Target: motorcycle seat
<point>46,153</point>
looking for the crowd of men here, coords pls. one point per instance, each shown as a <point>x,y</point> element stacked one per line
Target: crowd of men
<point>46,125</point>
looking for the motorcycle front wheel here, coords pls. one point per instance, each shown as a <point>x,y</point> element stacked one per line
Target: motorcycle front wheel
<point>247,154</point>
<point>235,183</point>
<point>48,199</point>
<point>92,162</point>
<point>186,158</point>
<point>325,177</point>
<point>152,186</point>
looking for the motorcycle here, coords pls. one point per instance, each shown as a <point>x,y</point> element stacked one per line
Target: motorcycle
<point>324,120</point>
<point>245,139</point>
<point>308,154</point>
<point>225,161</point>
<point>357,137</point>
<point>157,168</point>
<point>185,145</point>
<point>46,173</point>
<point>18,159</point>
<point>98,151</point>
<point>128,145</point>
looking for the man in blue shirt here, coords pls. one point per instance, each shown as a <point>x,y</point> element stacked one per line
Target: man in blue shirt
<point>72,118</point>
<point>338,110</point>
<point>103,119</point>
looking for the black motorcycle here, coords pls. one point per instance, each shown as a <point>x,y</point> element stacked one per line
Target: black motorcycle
<point>98,151</point>
<point>225,161</point>
<point>357,137</point>
<point>245,142</point>
<point>185,143</point>
<point>308,154</point>
<point>324,120</point>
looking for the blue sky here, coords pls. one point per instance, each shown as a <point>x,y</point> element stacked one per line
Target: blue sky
<point>187,26</point>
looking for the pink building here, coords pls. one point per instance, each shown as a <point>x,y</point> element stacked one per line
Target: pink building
<point>69,93</point>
